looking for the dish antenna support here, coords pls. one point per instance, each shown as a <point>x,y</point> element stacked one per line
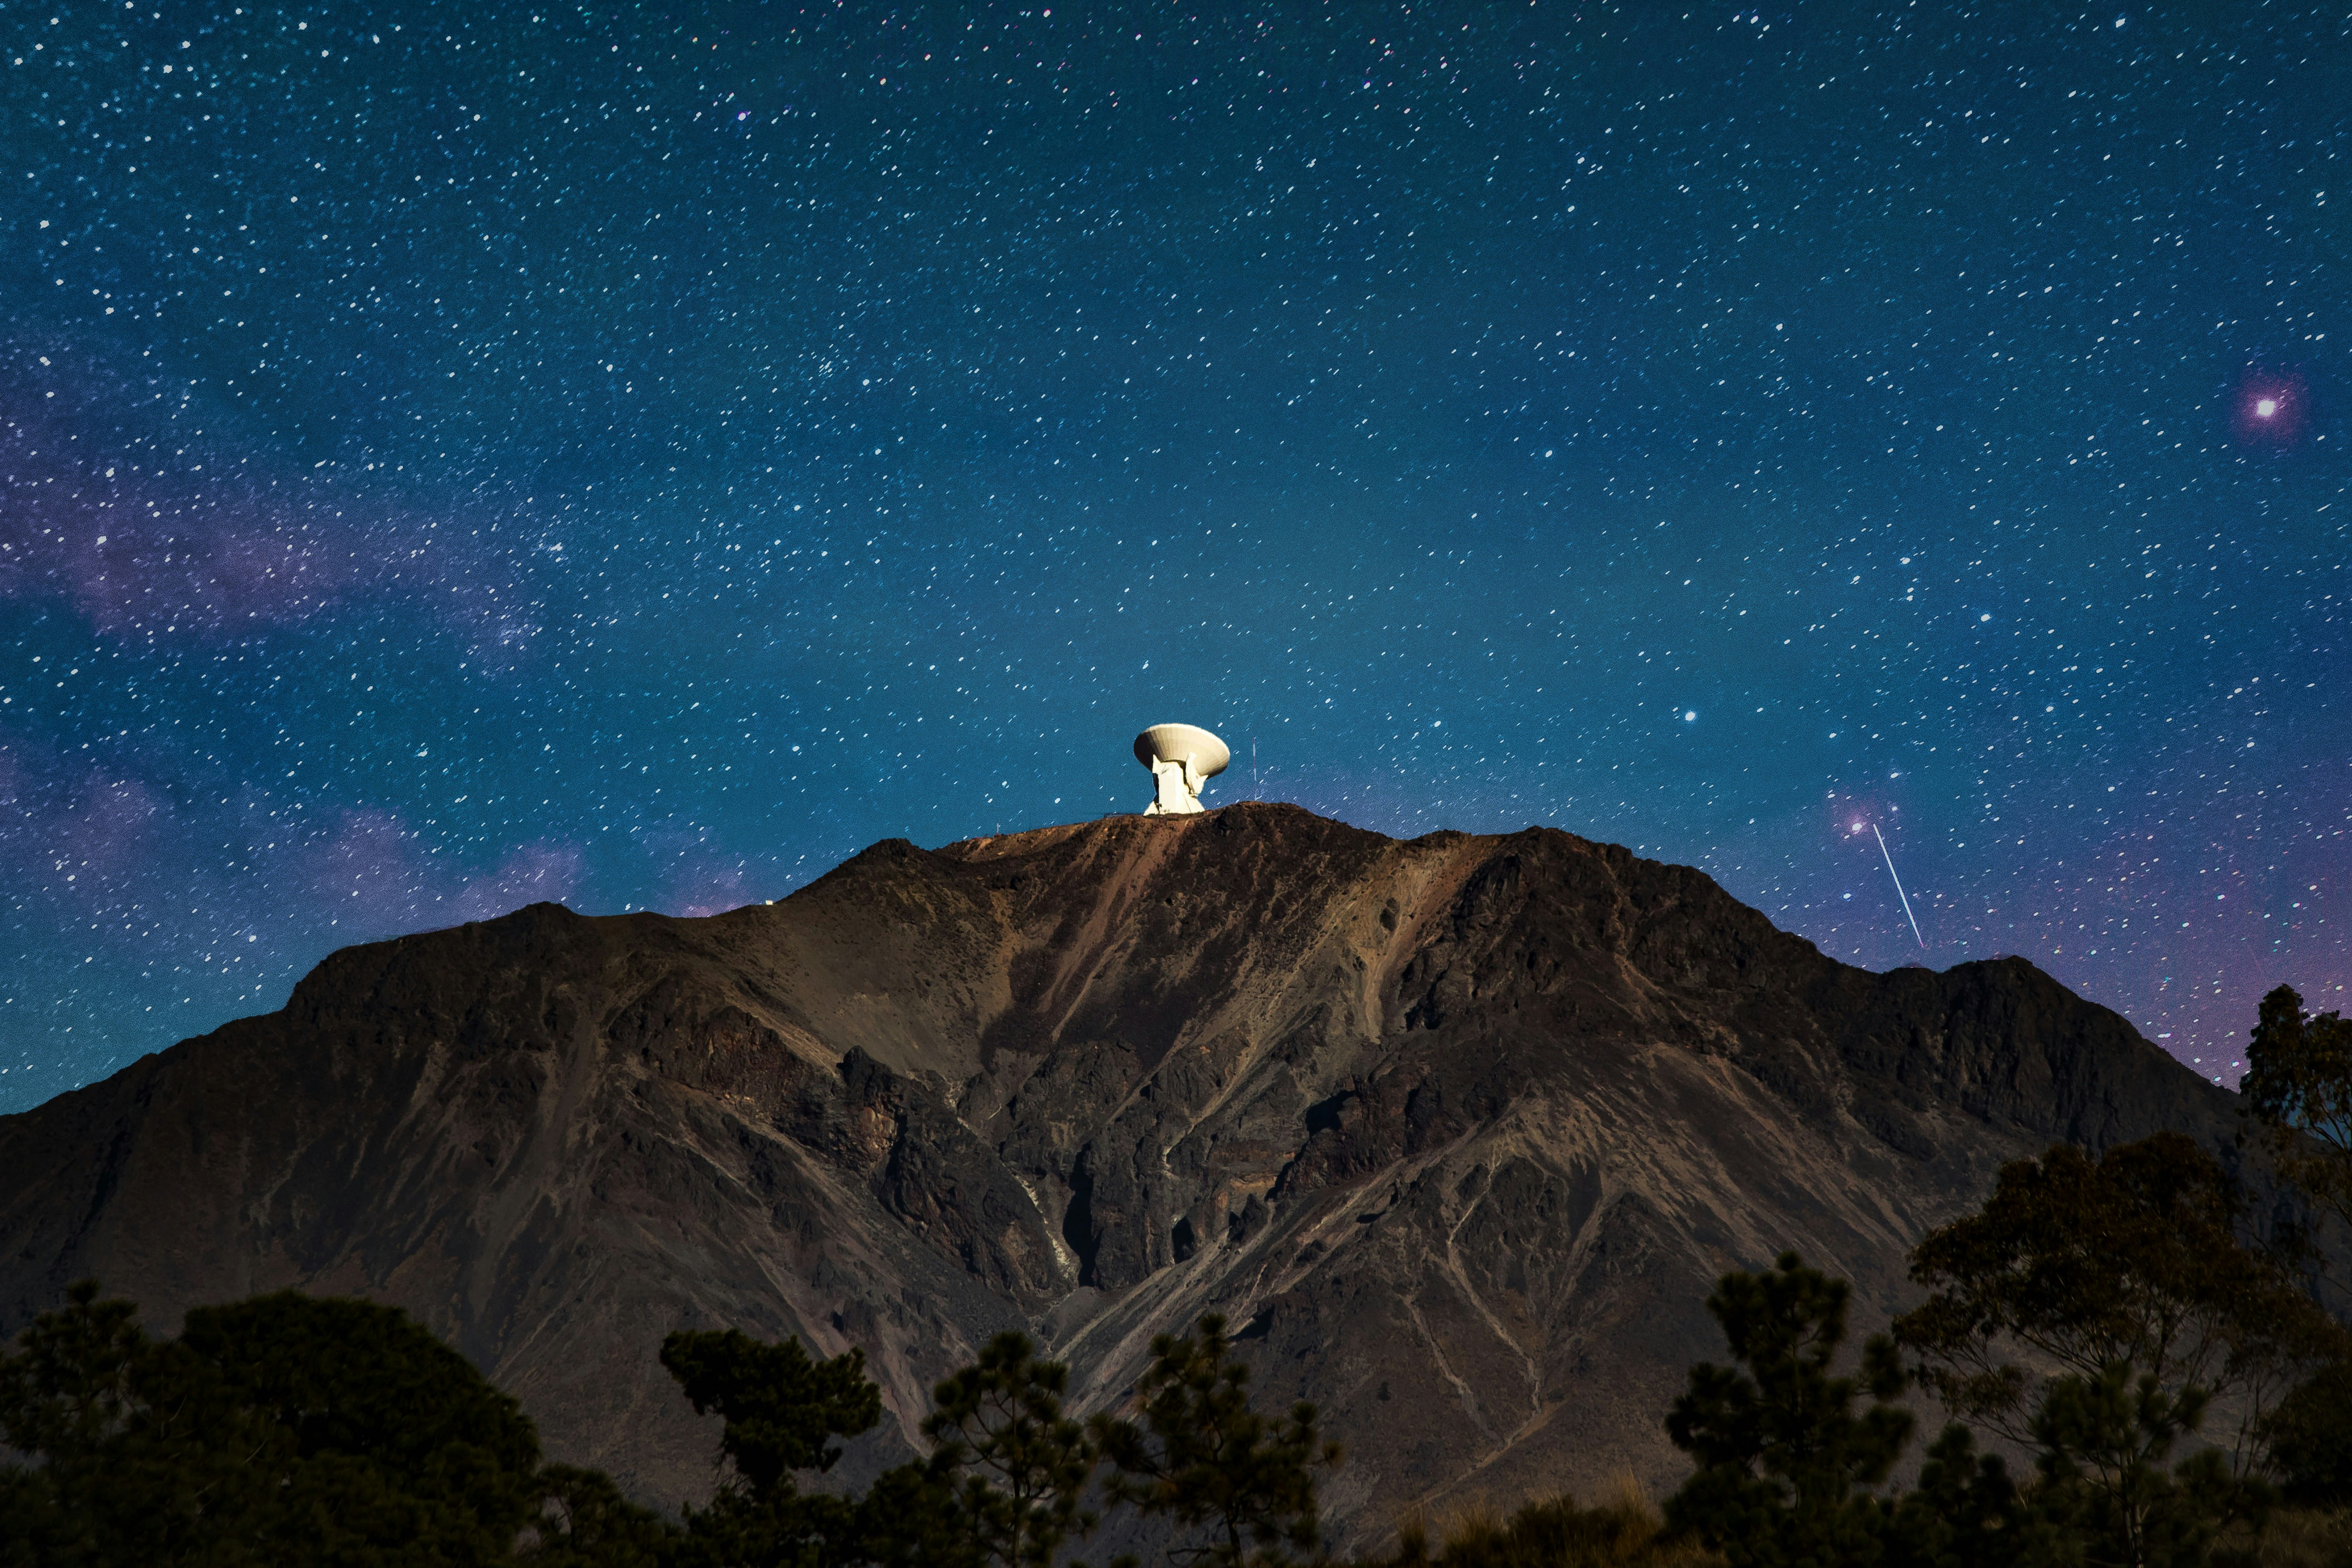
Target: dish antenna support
<point>1181,757</point>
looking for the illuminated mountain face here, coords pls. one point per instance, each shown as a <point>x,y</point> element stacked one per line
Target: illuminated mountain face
<point>1460,1129</point>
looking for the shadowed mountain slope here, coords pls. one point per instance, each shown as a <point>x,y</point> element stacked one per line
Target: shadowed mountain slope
<point>1461,1129</point>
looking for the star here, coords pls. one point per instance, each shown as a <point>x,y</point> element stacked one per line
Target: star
<point>631,465</point>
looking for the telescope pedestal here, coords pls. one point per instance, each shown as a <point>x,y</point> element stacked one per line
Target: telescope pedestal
<point>1178,794</point>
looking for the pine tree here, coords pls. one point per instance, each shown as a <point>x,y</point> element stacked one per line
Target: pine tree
<point>1016,1465</point>
<point>781,1409</point>
<point>1785,1463</point>
<point>1206,1462</point>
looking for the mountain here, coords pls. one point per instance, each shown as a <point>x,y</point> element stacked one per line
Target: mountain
<point>1460,1129</point>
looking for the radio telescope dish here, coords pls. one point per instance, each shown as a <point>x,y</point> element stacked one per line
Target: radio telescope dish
<point>1181,757</point>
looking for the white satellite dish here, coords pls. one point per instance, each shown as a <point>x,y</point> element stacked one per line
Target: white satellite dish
<point>1181,757</point>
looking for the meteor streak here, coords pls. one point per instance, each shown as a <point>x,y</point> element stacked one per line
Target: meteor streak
<point>1898,887</point>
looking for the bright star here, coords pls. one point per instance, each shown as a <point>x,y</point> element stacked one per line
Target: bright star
<point>2270,411</point>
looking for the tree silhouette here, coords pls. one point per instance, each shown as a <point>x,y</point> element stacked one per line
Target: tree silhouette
<point>781,1409</point>
<point>1017,1466</point>
<point>1205,1461</point>
<point>281,1430</point>
<point>2104,1443</point>
<point>2139,1258</point>
<point>1784,1460</point>
<point>2298,1085</point>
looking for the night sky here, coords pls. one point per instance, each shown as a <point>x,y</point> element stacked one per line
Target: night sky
<point>457,457</point>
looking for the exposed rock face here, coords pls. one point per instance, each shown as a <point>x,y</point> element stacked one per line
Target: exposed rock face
<point>1461,1129</point>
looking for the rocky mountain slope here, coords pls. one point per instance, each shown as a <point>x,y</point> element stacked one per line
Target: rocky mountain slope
<point>1460,1128</point>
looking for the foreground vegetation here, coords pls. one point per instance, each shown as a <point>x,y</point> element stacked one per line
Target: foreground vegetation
<point>2171,1360</point>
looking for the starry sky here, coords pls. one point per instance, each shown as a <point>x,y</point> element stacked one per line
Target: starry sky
<point>453,457</point>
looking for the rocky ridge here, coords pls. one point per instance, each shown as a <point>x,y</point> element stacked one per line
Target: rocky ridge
<point>1459,1128</point>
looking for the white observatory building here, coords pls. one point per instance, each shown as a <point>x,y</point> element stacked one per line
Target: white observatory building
<point>1181,757</point>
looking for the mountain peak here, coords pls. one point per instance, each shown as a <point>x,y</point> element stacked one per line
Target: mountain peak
<point>1461,1126</point>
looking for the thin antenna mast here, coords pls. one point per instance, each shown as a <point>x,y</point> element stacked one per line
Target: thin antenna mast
<point>1898,887</point>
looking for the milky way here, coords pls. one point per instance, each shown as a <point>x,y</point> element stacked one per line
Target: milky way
<point>458,456</point>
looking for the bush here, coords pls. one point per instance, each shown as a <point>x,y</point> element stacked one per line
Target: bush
<point>1622,1532</point>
